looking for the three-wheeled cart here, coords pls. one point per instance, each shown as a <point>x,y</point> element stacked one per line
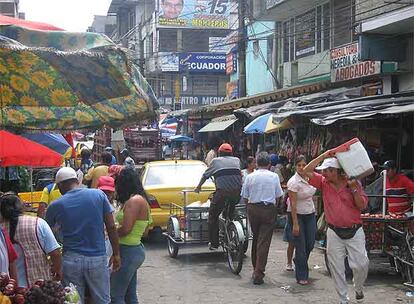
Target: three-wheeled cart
<point>389,237</point>
<point>189,226</point>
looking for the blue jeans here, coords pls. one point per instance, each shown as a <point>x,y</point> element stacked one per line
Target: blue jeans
<point>304,243</point>
<point>124,281</point>
<point>90,271</point>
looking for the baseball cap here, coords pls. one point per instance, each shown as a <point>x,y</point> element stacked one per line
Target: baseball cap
<point>106,183</point>
<point>274,159</point>
<point>389,164</point>
<point>226,148</point>
<point>330,162</point>
<point>108,149</point>
<point>65,174</point>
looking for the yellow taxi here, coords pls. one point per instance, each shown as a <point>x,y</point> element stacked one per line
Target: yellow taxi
<point>164,182</point>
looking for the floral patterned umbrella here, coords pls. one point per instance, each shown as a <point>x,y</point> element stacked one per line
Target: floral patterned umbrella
<point>57,80</point>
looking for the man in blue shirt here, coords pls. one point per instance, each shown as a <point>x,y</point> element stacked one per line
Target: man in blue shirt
<point>82,214</point>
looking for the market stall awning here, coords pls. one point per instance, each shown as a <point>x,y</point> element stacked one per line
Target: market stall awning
<point>57,80</point>
<point>326,113</point>
<point>262,98</point>
<point>18,151</point>
<point>5,20</point>
<point>218,125</point>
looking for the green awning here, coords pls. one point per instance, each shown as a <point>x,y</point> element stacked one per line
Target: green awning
<point>216,126</point>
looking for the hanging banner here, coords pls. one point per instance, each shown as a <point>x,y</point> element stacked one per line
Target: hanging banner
<point>195,13</point>
<point>346,64</point>
<point>231,63</point>
<point>203,62</point>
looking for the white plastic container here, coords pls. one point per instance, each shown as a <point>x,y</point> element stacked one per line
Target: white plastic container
<point>354,159</point>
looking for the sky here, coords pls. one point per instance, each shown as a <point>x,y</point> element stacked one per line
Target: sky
<point>71,15</point>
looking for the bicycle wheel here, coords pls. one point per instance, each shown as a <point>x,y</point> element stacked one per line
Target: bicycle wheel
<point>234,249</point>
<point>171,245</point>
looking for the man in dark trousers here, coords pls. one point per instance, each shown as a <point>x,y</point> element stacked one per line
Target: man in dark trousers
<point>261,189</point>
<point>228,179</point>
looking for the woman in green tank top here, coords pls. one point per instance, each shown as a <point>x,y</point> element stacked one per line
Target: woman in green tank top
<point>133,219</point>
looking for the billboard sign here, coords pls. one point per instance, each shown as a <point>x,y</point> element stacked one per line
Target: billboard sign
<point>203,62</point>
<point>346,64</point>
<point>168,62</point>
<point>190,101</point>
<point>195,13</point>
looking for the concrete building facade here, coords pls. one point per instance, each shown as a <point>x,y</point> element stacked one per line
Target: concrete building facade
<point>179,46</point>
<point>346,42</point>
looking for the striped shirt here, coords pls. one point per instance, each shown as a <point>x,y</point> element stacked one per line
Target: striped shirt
<point>226,172</point>
<point>400,185</point>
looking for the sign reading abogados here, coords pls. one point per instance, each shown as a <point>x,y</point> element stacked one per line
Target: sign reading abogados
<point>195,13</point>
<point>346,64</point>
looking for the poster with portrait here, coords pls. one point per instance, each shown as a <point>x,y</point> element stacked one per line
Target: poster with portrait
<point>195,13</point>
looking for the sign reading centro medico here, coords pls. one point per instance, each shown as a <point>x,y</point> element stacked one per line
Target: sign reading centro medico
<point>202,62</point>
<point>346,65</point>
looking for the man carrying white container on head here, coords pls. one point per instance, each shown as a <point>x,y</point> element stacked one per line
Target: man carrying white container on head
<point>343,200</point>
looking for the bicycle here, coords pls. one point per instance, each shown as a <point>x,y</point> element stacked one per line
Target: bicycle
<point>233,235</point>
<point>189,226</point>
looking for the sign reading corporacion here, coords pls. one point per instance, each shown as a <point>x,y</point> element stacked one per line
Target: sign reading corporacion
<point>346,64</point>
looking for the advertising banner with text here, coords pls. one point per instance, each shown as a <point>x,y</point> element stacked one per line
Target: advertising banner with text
<point>203,62</point>
<point>346,64</point>
<point>190,101</point>
<point>195,13</point>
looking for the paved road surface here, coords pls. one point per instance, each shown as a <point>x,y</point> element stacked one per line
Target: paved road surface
<point>198,276</point>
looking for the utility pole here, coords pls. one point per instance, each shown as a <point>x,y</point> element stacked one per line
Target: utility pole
<point>242,48</point>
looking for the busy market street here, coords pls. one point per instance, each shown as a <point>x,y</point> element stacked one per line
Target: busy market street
<point>200,276</point>
<point>206,151</point>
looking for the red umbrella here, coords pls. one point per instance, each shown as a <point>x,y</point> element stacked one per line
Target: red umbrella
<point>19,151</point>
<point>4,20</point>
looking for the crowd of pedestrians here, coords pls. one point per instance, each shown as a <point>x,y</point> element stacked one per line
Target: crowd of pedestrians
<point>90,224</point>
<point>261,190</point>
<point>88,231</point>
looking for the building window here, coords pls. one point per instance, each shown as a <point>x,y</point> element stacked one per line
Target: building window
<point>288,40</point>
<point>326,26</point>
<point>150,50</point>
<point>269,55</point>
<point>343,22</point>
<point>307,34</point>
<point>256,49</point>
<point>196,40</point>
<point>131,20</point>
<point>168,40</point>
